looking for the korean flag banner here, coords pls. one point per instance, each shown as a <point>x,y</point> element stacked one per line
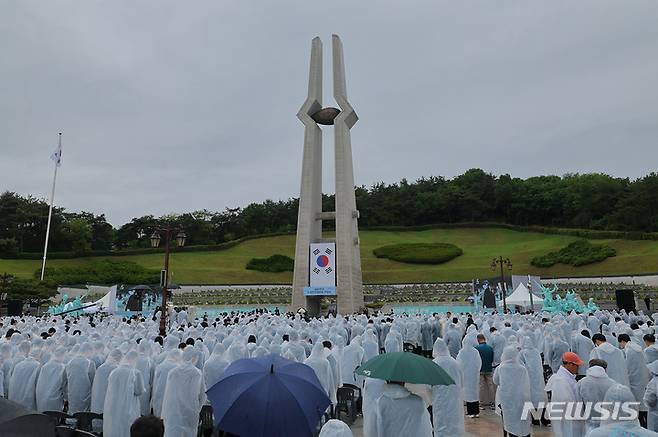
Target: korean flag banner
<point>322,265</point>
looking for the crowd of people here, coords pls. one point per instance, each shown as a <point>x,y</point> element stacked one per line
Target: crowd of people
<point>125,370</point>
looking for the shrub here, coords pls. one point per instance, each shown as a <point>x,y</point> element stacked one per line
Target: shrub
<point>419,253</point>
<point>8,247</point>
<point>273,264</point>
<point>578,253</point>
<point>102,272</point>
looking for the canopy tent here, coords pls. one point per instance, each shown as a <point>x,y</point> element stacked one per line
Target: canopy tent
<point>521,297</point>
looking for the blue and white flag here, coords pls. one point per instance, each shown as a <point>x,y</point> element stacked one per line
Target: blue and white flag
<point>57,156</point>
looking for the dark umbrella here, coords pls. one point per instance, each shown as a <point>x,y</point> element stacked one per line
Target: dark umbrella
<point>405,367</point>
<point>18,421</point>
<point>268,396</point>
<point>140,287</point>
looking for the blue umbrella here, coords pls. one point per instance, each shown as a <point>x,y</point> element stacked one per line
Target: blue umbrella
<point>268,396</point>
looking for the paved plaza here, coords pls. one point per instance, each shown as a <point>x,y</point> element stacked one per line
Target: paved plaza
<point>487,425</point>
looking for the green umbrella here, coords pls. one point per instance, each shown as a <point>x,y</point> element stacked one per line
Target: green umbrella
<point>405,367</point>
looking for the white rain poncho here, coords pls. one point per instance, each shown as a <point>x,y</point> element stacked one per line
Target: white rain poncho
<point>651,353</point>
<point>447,400</point>
<point>23,382</point>
<point>145,366</point>
<point>470,362</point>
<point>201,351</point>
<point>651,397</point>
<point>99,353</point>
<point>51,385</point>
<point>322,369</point>
<point>172,360</point>
<point>558,348</point>
<point>236,351</point>
<point>5,368</point>
<point>124,388</point>
<point>183,398</point>
<point>170,343</point>
<point>562,386</point>
<point>335,428</point>
<point>594,325</point>
<point>497,343</point>
<point>182,318</point>
<point>400,413</point>
<point>214,366</point>
<point>531,359</point>
<point>372,391</point>
<point>427,340</point>
<point>352,358</point>
<point>618,394</point>
<point>335,370</point>
<point>453,339</point>
<point>370,346</point>
<point>513,391</point>
<point>101,378</point>
<point>616,362</point>
<point>295,348</point>
<point>638,373</point>
<point>79,376</point>
<point>20,352</point>
<point>592,388</point>
<point>582,346</point>
<point>260,351</point>
<point>392,343</point>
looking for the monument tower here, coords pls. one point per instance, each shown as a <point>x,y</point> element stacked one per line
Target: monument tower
<point>326,267</point>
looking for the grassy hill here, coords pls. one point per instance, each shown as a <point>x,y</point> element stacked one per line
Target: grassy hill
<point>479,246</point>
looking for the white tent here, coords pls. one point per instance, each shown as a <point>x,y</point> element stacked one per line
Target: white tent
<point>521,297</point>
<point>106,304</point>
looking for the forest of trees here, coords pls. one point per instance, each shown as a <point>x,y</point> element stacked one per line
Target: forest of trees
<point>589,201</point>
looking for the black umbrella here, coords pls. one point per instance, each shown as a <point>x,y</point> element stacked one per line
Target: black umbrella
<point>18,421</point>
<point>140,287</point>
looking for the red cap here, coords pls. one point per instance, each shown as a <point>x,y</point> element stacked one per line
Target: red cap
<point>571,357</point>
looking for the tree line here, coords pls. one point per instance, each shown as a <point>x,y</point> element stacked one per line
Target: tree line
<point>591,201</point>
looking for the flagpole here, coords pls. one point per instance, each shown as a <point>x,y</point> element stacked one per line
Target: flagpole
<point>50,211</point>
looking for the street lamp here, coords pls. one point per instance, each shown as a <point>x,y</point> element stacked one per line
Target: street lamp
<point>180,239</point>
<point>532,305</point>
<point>155,242</point>
<point>502,262</point>
<point>155,239</point>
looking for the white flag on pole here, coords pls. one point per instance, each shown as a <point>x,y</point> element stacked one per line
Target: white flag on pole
<point>57,155</point>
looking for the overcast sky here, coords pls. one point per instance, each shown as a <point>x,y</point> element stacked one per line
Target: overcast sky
<point>174,106</point>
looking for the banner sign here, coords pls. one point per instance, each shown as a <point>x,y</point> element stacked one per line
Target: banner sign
<point>319,291</point>
<point>322,265</point>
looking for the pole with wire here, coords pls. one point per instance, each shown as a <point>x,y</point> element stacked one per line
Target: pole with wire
<point>57,157</point>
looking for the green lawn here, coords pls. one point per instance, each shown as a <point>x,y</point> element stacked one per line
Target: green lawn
<point>479,246</point>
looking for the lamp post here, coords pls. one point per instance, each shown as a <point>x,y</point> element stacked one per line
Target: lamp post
<point>155,242</point>
<point>532,306</point>
<point>502,262</point>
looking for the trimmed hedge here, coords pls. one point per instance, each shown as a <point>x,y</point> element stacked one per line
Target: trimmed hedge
<point>419,253</point>
<point>591,234</point>
<point>578,253</point>
<point>143,251</point>
<point>274,264</point>
<point>102,272</point>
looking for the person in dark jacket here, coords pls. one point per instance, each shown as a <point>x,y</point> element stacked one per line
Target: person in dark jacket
<point>487,389</point>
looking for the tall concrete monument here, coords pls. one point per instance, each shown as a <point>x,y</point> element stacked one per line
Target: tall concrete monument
<point>326,266</point>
